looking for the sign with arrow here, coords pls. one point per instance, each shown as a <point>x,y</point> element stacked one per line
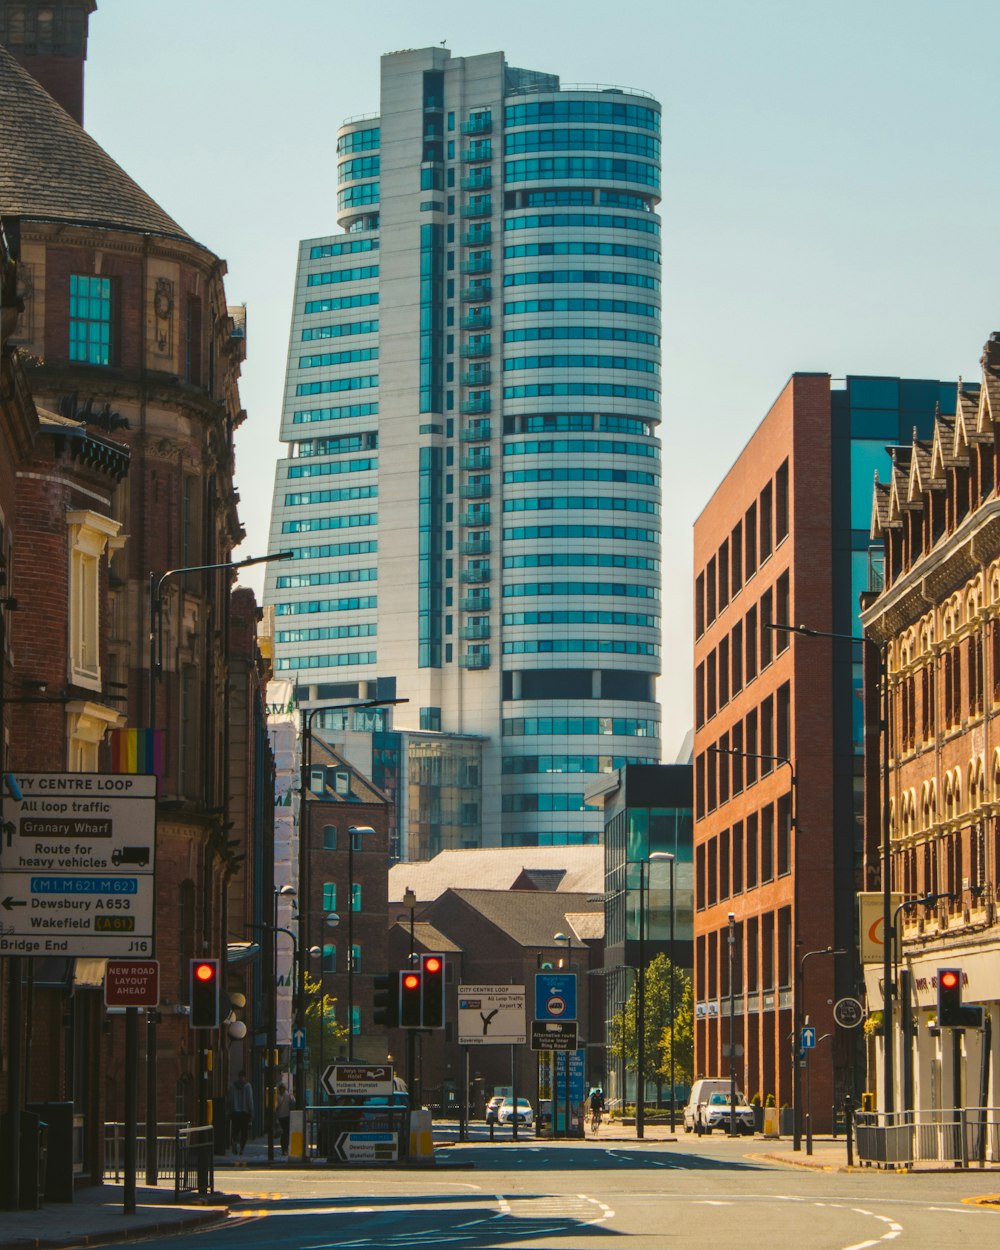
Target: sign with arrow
<point>357,1079</point>
<point>367,1147</point>
<point>808,1037</point>
<point>491,1015</point>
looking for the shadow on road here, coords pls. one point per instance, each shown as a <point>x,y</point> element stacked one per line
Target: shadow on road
<point>543,1158</point>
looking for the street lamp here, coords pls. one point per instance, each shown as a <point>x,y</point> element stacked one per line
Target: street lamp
<point>562,937</point>
<point>280,892</point>
<point>882,672</point>
<point>353,832</point>
<point>732,1027</point>
<point>905,1003</point>
<point>155,674</point>
<point>797,1040</point>
<point>666,857</point>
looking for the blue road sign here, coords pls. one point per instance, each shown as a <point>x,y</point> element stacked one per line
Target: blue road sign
<point>808,1038</point>
<point>298,1039</point>
<point>555,996</point>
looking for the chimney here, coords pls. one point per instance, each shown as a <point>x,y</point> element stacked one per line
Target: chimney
<point>49,38</point>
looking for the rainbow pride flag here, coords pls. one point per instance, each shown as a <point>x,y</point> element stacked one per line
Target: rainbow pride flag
<point>137,751</point>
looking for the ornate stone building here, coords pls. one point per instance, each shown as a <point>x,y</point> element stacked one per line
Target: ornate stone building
<point>937,620</point>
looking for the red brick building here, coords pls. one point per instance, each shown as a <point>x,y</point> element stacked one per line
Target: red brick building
<point>132,347</point>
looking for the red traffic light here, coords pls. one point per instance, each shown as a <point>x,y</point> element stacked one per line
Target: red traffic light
<point>204,972</point>
<point>432,964</point>
<point>411,981</point>
<point>949,979</point>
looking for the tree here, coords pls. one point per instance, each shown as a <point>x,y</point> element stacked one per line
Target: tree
<point>323,1033</point>
<point>656,1033</point>
<point>680,1039</point>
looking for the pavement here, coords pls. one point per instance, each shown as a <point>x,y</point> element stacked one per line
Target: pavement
<point>96,1216</point>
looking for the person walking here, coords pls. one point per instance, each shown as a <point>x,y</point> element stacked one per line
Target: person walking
<point>596,1109</point>
<point>283,1111</point>
<point>240,1111</point>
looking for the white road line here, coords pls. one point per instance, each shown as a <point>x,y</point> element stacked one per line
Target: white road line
<point>861,1245</point>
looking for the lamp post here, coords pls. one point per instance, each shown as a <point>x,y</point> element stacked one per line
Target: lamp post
<point>797,1040</point>
<point>331,920</point>
<point>155,674</point>
<point>562,937</point>
<point>882,672</point>
<point>410,902</point>
<point>305,875</point>
<point>285,891</point>
<point>732,1027</point>
<point>355,831</point>
<point>666,857</point>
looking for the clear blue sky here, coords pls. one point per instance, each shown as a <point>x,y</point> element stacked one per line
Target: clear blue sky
<point>830,188</point>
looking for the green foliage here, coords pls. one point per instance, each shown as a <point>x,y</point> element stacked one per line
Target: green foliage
<point>323,1033</point>
<point>657,1041</point>
<point>755,1100</point>
<point>769,1101</point>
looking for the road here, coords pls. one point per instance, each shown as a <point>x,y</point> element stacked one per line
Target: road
<point>593,1195</point>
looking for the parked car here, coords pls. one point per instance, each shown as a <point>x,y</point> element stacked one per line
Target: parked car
<point>525,1115</point>
<point>703,1092</point>
<point>493,1108</point>
<point>717,1113</point>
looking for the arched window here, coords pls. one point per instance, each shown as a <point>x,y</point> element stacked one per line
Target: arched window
<point>329,957</point>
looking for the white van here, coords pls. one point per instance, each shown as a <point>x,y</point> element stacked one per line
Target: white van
<point>713,1092</point>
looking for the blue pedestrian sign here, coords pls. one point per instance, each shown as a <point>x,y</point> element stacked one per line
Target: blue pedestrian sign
<point>298,1039</point>
<point>555,996</point>
<point>808,1038</point>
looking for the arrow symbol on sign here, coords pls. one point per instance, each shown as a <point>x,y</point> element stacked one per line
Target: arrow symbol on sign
<point>9,903</point>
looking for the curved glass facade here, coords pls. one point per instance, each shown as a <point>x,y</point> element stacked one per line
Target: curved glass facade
<point>504,234</point>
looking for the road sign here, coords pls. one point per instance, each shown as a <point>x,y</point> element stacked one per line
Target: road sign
<point>132,983</point>
<point>491,1015</point>
<point>555,996</point>
<point>808,1038</point>
<point>298,1039</point>
<point>848,1013</point>
<point>367,1147</point>
<point>77,866</point>
<point>364,1079</point>
<point>553,1035</point>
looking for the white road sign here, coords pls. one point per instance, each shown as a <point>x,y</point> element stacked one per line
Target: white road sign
<point>77,861</point>
<point>358,1078</point>
<point>491,1015</point>
<point>367,1147</point>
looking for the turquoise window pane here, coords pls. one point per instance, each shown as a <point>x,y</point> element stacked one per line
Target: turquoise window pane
<point>868,456</point>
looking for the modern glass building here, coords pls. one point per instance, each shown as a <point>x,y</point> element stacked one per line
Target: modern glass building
<point>472,482</point>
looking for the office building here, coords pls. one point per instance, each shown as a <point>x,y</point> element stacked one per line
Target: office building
<point>779,727</point>
<point>472,482</point>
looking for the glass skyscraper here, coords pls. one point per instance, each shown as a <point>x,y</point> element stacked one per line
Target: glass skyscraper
<point>472,484</point>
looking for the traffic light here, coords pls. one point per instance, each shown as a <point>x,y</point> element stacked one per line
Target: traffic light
<point>409,999</point>
<point>386,1001</point>
<point>950,1012</point>
<point>432,976</point>
<point>203,978</point>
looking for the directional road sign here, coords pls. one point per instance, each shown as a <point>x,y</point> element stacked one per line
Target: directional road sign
<point>553,1035</point>
<point>367,1147</point>
<point>491,1015</point>
<point>555,996</point>
<point>364,1079</point>
<point>77,865</point>
<point>298,1039</point>
<point>808,1038</point>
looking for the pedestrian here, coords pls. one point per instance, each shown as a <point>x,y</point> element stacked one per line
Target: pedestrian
<point>283,1111</point>
<point>596,1109</point>
<point>240,1111</point>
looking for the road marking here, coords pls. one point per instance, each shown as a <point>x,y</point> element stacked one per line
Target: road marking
<point>711,1202</point>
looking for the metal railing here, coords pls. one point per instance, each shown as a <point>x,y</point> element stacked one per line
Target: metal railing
<point>964,1137</point>
<point>166,1146</point>
<point>195,1155</point>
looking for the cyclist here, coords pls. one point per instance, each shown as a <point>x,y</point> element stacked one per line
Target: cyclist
<point>596,1109</point>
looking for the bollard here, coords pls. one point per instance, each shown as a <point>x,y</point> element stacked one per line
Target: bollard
<point>849,1128</point>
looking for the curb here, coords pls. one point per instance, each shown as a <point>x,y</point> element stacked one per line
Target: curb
<point>159,1228</point>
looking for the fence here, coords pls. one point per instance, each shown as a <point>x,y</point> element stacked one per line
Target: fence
<point>195,1154</point>
<point>964,1137</point>
<point>166,1146</point>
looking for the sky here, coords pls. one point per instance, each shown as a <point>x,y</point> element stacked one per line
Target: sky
<point>829,190</point>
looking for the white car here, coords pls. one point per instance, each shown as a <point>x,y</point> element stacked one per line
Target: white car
<point>718,1113</point>
<point>525,1115</point>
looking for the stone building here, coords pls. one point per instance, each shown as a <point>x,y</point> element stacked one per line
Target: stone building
<point>936,620</point>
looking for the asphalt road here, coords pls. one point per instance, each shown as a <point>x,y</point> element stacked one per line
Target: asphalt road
<point>593,1196</point>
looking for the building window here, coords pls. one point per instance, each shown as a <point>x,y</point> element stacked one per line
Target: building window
<point>329,896</point>
<point>329,957</point>
<point>90,319</point>
<point>356,958</point>
<point>329,837</point>
<point>355,1020</point>
<point>356,896</point>
<point>89,534</point>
